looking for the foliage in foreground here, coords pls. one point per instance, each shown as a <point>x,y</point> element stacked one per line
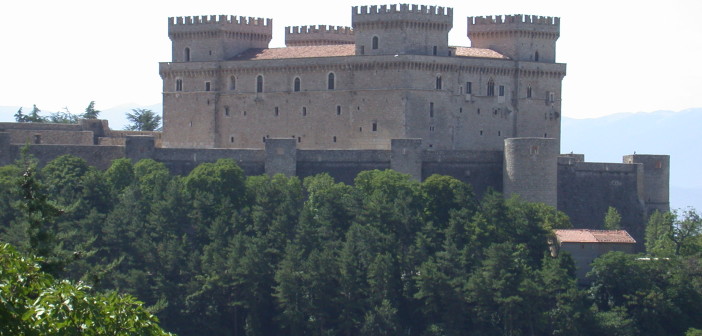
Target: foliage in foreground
<point>34,303</point>
<point>216,252</point>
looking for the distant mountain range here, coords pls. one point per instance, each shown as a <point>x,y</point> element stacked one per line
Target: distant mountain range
<point>604,139</point>
<point>677,134</point>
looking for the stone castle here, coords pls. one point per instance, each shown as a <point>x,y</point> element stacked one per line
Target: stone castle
<point>389,92</point>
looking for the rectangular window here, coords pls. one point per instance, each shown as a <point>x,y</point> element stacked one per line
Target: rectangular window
<point>179,84</point>
<point>375,126</point>
<point>502,91</point>
<point>207,86</point>
<point>469,87</point>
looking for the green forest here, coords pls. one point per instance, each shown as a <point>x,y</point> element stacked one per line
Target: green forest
<point>220,253</point>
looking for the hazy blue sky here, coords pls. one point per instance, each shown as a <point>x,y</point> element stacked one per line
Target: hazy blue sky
<point>622,56</point>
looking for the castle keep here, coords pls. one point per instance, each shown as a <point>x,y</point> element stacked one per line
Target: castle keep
<point>388,92</point>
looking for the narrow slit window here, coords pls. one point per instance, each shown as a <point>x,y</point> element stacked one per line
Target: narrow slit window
<point>375,126</point>
<point>338,109</point>
<point>232,83</point>
<point>438,82</point>
<point>304,111</point>
<point>208,86</point>
<point>469,87</point>
<point>186,55</point>
<point>529,92</point>
<point>375,43</point>
<point>502,91</point>
<point>431,110</point>
<point>259,83</point>
<point>277,111</point>
<point>330,81</point>
<point>435,51</point>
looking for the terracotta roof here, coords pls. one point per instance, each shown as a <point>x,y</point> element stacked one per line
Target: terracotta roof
<point>298,52</point>
<point>341,50</point>
<point>479,52</point>
<point>594,236</point>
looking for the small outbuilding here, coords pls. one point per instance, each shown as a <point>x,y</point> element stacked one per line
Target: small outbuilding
<point>586,245</point>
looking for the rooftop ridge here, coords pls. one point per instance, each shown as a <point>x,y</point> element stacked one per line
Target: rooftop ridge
<point>403,9</point>
<point>219,19</point>
<point>319,29</point>
<point>516,18</point>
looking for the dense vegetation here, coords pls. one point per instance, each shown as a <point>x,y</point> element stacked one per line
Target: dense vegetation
<point>219,253</point>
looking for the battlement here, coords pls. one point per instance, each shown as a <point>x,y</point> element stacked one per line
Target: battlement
<point>403,12</point>
<point>514,19</point>
<point>318,35</point>
<point>403,9</point>
<point>221,19</point>
<point>204,23</point>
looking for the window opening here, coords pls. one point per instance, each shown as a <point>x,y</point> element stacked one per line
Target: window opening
<point>435,50</point>
<point>299,139</point>
<point>469,87</point>
<point>226,111</point>
<point>338,109</point>
<point>375,42</point>
<point>179,84</point>
<point>187,54</point>
<point>375,126</point>
<point>536,56</point>
<point>529,92</point>
<point>231,139</point>
<point>276,111</point>
<point>335,138</point>
<point>296,85</point>
<point>207,86</point>
<point>502,91</point>
<point>304,111</point>
<point>431,110</point>
<point>232,83</point>
<point>363,50</point>
<point>438,82</point>
<point>491,88</point>
<point>259,83</point>
<point>330,81</point>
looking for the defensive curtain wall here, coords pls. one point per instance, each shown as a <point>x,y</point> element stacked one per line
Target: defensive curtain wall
<point>583,190</point>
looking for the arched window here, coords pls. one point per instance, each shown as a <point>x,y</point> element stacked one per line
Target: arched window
<point>296,85</point>
<point>186,55</point>
<point>438,82</point>
<point>536,56</point>
<point>259,83</point>
<point>179,84</point>
<point>232,83</point>
<point>330,81</point>
<point>529,92</point>
<point>375,42</point>
<point>491,88</point>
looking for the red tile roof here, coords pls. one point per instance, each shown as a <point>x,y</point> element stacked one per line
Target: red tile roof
<point>479,52</point>
<point>341,50</point>
<point>594,236</point>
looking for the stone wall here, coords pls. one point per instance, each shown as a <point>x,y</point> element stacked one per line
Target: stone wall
<point>586,190</point>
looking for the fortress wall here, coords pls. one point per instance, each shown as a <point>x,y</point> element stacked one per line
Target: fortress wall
<point>21,137</point>
<point>182,160</point>
<point>8,126</point>
<point>342,165</point>
<point>586,190</point>
<point>99,156</point>
<point>481,169</point>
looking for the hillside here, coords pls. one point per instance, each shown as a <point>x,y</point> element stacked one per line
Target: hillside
<point>607,139</point>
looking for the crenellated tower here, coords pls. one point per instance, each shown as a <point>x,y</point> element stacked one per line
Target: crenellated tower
<point>216,37</point>
<point>318,35</point>
<point>521,37</point>
<point>402,29</point>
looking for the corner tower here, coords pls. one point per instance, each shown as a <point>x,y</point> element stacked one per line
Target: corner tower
<point>402,29</point>
<point>656,180</point>
<point>521,37</point>
<point>216,38</point>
